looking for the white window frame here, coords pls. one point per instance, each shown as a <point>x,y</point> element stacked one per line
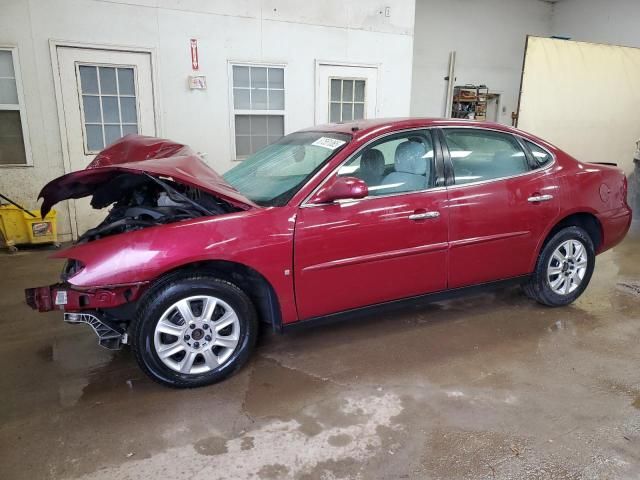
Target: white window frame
<point>20,107</point>
<point>232,110</point>
<point>353,102</point>
<point>77,65</point>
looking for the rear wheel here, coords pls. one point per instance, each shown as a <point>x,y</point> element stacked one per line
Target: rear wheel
<point>193,331</point>
<point>563,269</point>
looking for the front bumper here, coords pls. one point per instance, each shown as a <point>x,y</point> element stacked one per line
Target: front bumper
<point>63,296</point>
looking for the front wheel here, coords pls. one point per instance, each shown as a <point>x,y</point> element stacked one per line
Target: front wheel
<point>563,269</point>
<point>194,331</point>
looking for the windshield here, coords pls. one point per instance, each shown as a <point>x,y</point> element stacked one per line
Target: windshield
<point>272,175</point>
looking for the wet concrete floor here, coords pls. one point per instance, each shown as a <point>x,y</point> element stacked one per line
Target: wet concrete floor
<point>491,386</point>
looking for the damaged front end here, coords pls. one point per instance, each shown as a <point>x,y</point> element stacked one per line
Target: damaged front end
<point>146,182</point>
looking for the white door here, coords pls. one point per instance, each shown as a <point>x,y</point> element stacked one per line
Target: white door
<point>345,93</point>
<point>105,95</point>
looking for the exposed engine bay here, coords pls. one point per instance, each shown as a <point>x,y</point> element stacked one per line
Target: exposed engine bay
<point>142,200</point>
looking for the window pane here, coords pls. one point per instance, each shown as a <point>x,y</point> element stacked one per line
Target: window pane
<point>8,92</point>
<point>258,77</point>
<point>125,81</point>
<point>359,91</point>
<point>88,79</point>
<point>94,137</point>
<point>91,105</point>
<point>346,112</point>
<point>258,125</point>
<point>276,99</point>
<point>111,133</point>
<point>335,89</point>
<point>259,142</point>
<point>243,146</point>
<point>128,129</point>
<point>275,125</point>
<point>347,90</point>
<point>358,111</point>
<point>241,99</point>
<point>243,125</point>
<point>258,99</point>
<point>276,78</point>
<point>128,110</point>
<point>6,64</point>
<point>240,76</point>
<point>334,113</point>
<point>110,112</point>
<point>542,157</point>
<point>11,140</point>
<point>107,80</point>
<point>479,155</point>
<point>402,163</point>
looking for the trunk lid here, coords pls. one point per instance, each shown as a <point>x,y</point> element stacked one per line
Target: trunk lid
<point>142,154</point>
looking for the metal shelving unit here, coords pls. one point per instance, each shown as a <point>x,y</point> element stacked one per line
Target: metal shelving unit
<point>470,101</point>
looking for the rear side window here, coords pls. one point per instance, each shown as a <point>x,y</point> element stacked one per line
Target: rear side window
<point>479,155</point>
<point>541,157</point>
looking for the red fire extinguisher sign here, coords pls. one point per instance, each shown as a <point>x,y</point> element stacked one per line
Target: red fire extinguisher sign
<point>194,54</point>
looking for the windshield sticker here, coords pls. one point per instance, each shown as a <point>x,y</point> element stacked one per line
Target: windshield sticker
<point>330,143</point>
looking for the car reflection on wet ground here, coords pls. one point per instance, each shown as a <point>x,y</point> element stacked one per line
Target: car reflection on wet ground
<point>490,386</point>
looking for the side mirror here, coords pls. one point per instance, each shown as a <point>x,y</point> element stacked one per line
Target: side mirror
<point>341,188</point>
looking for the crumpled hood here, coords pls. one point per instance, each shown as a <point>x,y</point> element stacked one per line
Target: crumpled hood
<point>141,154</point>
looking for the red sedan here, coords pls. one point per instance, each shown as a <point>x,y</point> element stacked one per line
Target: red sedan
<point>323,222</point>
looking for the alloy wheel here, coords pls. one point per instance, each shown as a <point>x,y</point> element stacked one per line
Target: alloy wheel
<point>567,267</point>
<point>197,334</point>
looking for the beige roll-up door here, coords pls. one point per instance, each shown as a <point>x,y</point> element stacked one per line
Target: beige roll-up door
<point>582,97</point>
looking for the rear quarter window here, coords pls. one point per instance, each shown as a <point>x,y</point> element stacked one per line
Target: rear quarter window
<point>541,156</point>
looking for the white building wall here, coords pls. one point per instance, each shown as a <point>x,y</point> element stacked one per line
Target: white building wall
<point>613,21</point>
<point>488,37</point>
<point>281,31</point>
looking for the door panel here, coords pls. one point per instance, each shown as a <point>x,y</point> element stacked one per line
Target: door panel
<point>494,230</point>
<point>359,253</point>
<point>494,225</point>
<point>390,245</point>
<point>106,95</point>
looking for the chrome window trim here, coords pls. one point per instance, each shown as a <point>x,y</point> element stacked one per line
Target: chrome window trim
<point>491,180</point>
<point>304,203</point>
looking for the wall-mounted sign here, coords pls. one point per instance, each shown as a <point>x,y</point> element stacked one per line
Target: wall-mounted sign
<point>197,82</point>
<point>194,54</point>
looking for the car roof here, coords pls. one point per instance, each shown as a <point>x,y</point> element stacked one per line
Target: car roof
<point>363,128</point>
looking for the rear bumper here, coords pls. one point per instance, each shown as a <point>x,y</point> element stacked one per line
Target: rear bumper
<point>63,296</point>
<point>615,226</point>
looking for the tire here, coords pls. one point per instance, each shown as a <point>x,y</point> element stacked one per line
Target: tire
<point>211,320</point>
<point>548,287</point>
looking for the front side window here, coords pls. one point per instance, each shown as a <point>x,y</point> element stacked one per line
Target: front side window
<point>12,116</point>
<point>109,104</point>
<point>271,176</point>
<point>258,107</point>
<point>346,99</point>
<point>395,164</point>
<point>478,155</point>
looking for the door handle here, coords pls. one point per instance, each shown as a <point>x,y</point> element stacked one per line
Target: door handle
<point>539,198</point>
<point>424,215</point>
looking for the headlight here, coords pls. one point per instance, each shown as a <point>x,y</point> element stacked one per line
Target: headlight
<point>71,268</point>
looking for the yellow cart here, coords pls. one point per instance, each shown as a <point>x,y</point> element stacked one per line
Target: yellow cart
<point>19,226</point>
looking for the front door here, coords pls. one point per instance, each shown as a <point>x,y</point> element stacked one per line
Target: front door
<point>345,93</point>
<point>495,223</point>
<point>390,245</point>
<point>105,95</point>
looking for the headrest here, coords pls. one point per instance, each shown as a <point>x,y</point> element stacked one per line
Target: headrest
<point>372,159</point>
<point>409,158</point>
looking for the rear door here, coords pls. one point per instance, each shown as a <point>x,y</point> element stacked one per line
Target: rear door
<point>501,202</point>
<point>390,245</point>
